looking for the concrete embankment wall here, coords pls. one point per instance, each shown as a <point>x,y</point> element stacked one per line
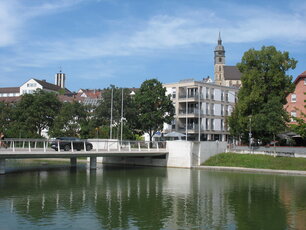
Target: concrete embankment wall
<point>183,154</point>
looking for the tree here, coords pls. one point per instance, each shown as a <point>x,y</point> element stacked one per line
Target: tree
<point>265,86</point>
<point>35,112</point>
<point>70,121</point>
<point>102,113</point>
<point>154,108</point>
<point>300,126</point>
<point>5,116</point>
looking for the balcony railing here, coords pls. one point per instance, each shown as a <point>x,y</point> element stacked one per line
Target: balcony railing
<point>193,95</point>
<point>190,127</point>
<point>189,111</point>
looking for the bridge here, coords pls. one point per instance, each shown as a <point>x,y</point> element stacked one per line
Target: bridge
<point>49,148</point>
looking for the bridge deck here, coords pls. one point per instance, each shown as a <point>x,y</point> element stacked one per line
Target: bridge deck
<point>39,153</point>
<point>42,148</point>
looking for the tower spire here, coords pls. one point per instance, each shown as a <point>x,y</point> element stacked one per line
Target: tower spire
<point>219,39</point>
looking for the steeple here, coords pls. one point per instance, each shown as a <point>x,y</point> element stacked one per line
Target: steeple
<point>60,79</point>
<point>219,39</point>
<point>219,52</point>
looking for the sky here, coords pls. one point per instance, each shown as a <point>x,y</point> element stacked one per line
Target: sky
<point>98,43</point>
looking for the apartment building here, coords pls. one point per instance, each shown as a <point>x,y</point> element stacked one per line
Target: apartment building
<point>201,109</point>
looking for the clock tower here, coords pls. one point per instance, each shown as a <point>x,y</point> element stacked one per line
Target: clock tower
<point>219,62</point>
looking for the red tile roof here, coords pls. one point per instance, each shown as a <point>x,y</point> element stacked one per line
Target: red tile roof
<point>10,90</point>
<point>302,75</point>
<point>9,99</point>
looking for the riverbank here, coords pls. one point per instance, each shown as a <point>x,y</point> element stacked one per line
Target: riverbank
<point>256,163</point>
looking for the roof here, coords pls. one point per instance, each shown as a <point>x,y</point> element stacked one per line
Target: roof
<point>302,75</point>
<point>10,90</point>
<point>47,85</point>
<point>231,73</point>
<point>9,99</point>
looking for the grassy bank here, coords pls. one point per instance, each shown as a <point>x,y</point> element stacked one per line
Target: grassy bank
<point>256,161</point>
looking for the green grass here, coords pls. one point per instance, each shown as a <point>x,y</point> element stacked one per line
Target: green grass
<point>256,161</point>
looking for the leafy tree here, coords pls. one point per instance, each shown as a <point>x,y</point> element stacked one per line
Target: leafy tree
<point>300,127</point>
<point>5,116</point>
<point>35,112</point>
<point>102,113</point>
<point>71,119</point>
<point>154,108</point>
<point>265,86</point>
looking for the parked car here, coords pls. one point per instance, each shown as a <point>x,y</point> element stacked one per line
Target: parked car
<point>65,144</point>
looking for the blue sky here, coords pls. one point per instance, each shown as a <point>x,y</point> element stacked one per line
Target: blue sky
<point>124,42</point>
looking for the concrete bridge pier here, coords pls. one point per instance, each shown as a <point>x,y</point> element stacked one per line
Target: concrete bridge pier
<point>93,162</point>
<point>73,162</point>
<point>2,166</point>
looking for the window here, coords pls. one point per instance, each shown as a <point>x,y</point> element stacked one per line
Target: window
<point>192,92</point>
<point>222,125</point>
<point>212,109</point>
<point>207,95</point>
<point>222,110</point>
<point>219,68</point>
<point>220,59</point>
<point>293,97</point>
<point>31,85</point>
<point>207,109</point>
<point>212,94</point>
<point>206,124</point>
<point>173,92</point>
<point>222,95</point>
<point>226,96</point>
<point>212,127</point>
<point>293,114</point>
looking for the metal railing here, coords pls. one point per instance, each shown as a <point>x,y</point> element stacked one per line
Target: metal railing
<point>97,145</point>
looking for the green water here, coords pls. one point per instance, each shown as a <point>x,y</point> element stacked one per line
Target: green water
<point>52,196</point>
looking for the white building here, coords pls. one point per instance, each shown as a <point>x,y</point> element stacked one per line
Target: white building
<point>33,84</point>
<point>201,109</point>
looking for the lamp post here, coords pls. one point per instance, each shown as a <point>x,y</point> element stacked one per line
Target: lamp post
<point>250,131</point>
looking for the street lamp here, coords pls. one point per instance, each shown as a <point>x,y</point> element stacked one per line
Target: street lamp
<point>250,131</point>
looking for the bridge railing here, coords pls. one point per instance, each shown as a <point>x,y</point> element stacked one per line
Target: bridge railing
<point>98,145</point>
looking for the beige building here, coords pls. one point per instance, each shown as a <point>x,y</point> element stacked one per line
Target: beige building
<point>225,75</point>
<point>201,109</point>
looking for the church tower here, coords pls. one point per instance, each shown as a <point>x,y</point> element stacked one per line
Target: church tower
<point>60,79</point>
<point>219,62</point>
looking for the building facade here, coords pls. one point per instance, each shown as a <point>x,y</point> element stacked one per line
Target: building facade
<point>225,75</point>
<point>201,109</point>
<point>296,101</point>
<point>33,84</point>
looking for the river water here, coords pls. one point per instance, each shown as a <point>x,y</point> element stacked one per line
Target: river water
<point>52,196</point>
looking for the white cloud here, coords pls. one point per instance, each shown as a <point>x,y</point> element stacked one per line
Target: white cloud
<point>161,32</point>
<point>9,25</point>
<point>14,15</point>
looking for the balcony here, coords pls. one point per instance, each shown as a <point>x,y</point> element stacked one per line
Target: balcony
<point>189,111</point>
<point>192,95</point>
<point>190,127</point>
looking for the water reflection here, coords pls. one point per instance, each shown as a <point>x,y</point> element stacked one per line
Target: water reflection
<point>151,198</point>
